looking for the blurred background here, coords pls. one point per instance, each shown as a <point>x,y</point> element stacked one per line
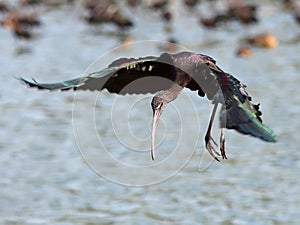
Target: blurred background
<point>46,175</point>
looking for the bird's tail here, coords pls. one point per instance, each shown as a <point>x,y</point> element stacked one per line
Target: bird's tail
<point>245,118</point>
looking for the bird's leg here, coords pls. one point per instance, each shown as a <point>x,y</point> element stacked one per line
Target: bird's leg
<point>209,141</point>
<point>222,143</point>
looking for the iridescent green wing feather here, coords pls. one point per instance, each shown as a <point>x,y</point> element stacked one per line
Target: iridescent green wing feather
<point>76,83</point>
<point>239,113</point>
<point>244,118</point>
<point>123,76</point>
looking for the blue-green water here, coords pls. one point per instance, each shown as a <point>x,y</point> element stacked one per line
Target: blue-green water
<point>47,137</point>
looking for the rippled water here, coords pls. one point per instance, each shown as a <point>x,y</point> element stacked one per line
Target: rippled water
<point>46,137</point>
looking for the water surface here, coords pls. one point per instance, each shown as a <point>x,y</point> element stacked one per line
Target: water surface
<point>45,179</point>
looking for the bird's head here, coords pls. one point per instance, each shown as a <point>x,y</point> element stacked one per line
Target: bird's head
<point>158,105</point>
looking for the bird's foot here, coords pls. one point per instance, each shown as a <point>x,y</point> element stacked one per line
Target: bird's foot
<point>222,144</point>
<point>210,143</point>
<point>222,148</point>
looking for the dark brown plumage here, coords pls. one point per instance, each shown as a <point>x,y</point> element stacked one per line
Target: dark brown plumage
<point>167,75</point>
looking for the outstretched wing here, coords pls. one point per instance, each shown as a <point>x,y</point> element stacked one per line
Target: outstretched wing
<point>123,76</point>
<point>237,112</point>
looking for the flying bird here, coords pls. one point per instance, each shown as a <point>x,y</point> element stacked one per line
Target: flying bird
<point>167,75</point>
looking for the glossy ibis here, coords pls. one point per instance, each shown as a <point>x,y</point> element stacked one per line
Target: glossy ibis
<point>244,13</point>
<point>185,69</point>
<point>106,13</point>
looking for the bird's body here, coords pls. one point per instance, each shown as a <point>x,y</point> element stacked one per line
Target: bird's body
<point>167,75</point>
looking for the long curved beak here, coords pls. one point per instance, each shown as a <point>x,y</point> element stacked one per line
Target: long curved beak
<point>156,116</point>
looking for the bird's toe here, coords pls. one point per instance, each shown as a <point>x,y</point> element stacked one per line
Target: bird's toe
<point>210,143</point>
<point>222,149</point>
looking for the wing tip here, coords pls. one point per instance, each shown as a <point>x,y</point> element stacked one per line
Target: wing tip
<point>24,81</point>
<point>20,79</point>
<point>32,83</point>
<point>270,138</point>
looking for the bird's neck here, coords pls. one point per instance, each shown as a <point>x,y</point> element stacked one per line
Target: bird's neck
<point>171,93</point>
